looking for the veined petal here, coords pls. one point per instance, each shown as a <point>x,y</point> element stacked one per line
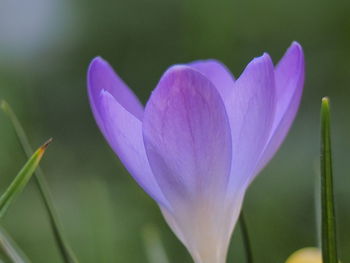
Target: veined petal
<point>217,73</point>
<point>251,112</point>
<point>187,135</point>
<point>123,131</point>
<point>101,76</point>
<point>188,144</point>
<point>289,75</point>
<point>118,112</point>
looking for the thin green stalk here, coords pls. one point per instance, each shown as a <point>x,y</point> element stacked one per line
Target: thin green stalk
<point>329,244</point>
<point>153,245</point>
<point>245,238</point>
<point>7,245</point>
<point>10,248</point>
<point>65,250</point>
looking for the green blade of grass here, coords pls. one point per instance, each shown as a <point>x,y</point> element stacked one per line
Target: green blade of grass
<point>153,245</point>
<point>21,179</point>
<point>329,244</point>
<point>65,250</point>
<point>245,238</point>
<point>10,248</point>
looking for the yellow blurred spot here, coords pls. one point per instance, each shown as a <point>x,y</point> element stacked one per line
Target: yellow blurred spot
<point>306,255</point>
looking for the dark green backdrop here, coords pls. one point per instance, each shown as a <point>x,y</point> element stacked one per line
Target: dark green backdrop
<point>45,48</point>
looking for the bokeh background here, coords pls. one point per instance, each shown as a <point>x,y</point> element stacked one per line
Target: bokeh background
<point>45,49</point>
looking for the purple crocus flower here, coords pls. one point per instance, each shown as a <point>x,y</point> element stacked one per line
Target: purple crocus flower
<point>201,139</point>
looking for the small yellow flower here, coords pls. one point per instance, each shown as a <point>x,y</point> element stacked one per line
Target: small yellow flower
<point>306,255</point>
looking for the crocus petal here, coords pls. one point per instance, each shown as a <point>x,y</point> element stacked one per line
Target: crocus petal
<point>101,76</point>
<point>251,112</point>
<point>123,131</point>
<point>289,75</point>
<point>118,112</point>
<point>217,73</point>
<point>188,144</point>
<point>186,134</point>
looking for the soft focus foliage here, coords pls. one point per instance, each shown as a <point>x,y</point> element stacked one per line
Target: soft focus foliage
<point>103,210</point>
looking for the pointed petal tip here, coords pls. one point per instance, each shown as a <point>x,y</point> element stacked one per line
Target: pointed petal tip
<point>293,57</point>
<point>296,49</point>
<point>264,62</point>
<point>98,59</point>
<point>177,69</point>
<point>96,62</point>
<point>265,58</point>
<point>296,44</point>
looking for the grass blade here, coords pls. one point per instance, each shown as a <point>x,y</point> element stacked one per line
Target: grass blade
<point>65,250</point>
<point>10,248</point>
<point>21,179</point>
<point>329,244</point>
<point>154,248</point>
<point>245,238</point>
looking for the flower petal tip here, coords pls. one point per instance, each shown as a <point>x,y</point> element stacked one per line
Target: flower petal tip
<point>296,45</point>
<point>297,50</point>
<point>97,59</point>
<point>95,63</point>
<point>177,69</point>
<point>260,64</point>
<point>263,59</point>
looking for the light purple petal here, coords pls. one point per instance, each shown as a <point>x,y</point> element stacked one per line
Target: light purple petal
<point>217,73</point>
<point>186,134</point>
<point>118,113</point>
<point>188,144</point>
<point>101,76</point>
<point>289,75</point>
<point>251,112</point>
<point>123,131</point>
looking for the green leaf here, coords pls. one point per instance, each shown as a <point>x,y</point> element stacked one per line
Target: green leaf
<point>65,250</point>
<point>329,244</point>
<point>10,248</point>
<point>154,247</point>
<point>245,238</point>
<point>21,179</point>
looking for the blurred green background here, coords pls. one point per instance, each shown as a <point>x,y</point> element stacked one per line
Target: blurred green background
<point>45,49</point>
